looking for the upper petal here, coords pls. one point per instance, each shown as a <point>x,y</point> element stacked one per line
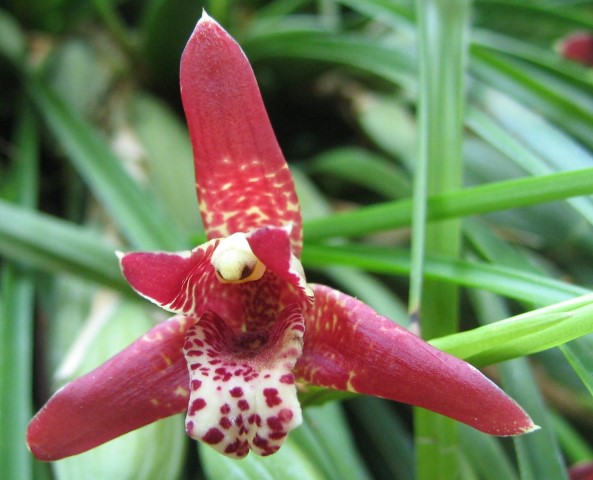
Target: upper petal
<point>271,245</point>
<point>242,178</point>
<point>348,346</point>
<point>141,384</point>
<point>180,282</point>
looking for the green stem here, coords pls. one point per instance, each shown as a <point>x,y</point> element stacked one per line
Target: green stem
<point>442,53</point>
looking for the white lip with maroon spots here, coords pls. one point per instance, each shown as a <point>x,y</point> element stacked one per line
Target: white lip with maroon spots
<point>242,390</point>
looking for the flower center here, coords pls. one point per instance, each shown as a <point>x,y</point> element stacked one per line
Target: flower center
<point>234,262</point>
<point>249,344</point>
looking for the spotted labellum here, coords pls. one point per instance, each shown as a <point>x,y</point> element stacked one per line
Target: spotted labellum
<point>247,327</point>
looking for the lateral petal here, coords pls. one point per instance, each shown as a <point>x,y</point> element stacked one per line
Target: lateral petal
<point>272,246</point>
<point>143,383</point>
<point>348,346</point>
<point>242,179</point>
<point>180,282</point>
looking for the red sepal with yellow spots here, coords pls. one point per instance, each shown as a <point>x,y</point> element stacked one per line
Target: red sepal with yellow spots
<point>242,179</point>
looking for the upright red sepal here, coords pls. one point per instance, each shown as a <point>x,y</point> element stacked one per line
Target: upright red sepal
<point>242,179</point>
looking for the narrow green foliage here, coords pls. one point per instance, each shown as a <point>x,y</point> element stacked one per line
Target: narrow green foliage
<point>524,334</point>
<point>17,290</point>
<point>506,281</point>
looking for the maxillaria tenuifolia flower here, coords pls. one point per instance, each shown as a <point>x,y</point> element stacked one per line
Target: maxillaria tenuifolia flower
<point>247,327</point>
<point>578,46</point>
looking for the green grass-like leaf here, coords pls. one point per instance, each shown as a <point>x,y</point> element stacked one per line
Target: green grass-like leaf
<point>522,335</point>
<point>478,200</point>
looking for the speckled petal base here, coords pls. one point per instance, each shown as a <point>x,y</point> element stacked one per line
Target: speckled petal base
<point>242,391</point>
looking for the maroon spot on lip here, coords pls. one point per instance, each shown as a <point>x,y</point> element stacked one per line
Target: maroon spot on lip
<point>260,441</point>
<point>232,447</point>
<point>275,423</point>
<point>236,392</point>
<point>196,405</point>
<point>213,436</point>
<point>254,418</point>
<point>285,415</point>
<point>272,398</point>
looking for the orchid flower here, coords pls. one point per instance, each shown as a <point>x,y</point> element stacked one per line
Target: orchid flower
<point>248,330</point>
<point>578,47</point>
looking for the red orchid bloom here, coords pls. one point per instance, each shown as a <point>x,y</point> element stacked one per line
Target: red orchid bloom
<point>578,46</point>
<point>247,327</point>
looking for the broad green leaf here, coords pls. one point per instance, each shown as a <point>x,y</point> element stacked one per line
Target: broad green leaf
<point>528,160</point>
<point>370,58</point>
<point>534,91</point>
<point>395,14</point>
<point>376,114</point>
<point>535,20</point>
<point>161,44</point>
<point>543,57</point>
<point>79,76</point>
<point>16,342</point>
